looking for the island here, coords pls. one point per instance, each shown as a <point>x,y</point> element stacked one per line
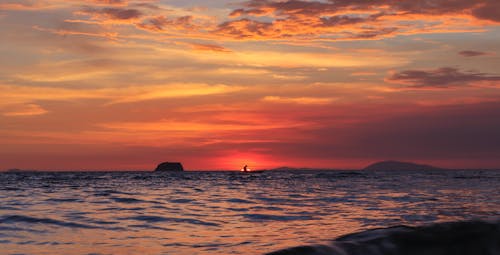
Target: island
<point>398,165</point>
<point>14,170</point>
<point>169,167</point>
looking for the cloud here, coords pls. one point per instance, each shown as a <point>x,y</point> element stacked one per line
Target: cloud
<point>363,74</point>
<point>147,6</point>
<point>381,7</point>
<point>353,19</point>
<point>299,100</point>
<point>23,110</point>
<point>64,32</point>
<point>136,94</point>
<point>440,78</point>
<point>202,127</point>
<point>488,10</point>
<point>109,2</point>
<point>28,95</point>
<point>209,47</point>
<point>292,59</point>
<point>292,20</point>
<point>472,53</point>
<point>162,23</point>
<point>111,14</point>
<point>246,28</point>
<point>27,5</point>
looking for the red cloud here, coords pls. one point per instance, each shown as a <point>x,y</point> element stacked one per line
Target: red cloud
<point>209,47</point>
<point>109,2</point>
<point>353,19</point>
<point>112,13</point>
<point>439,78</point>
<point>489,10</point>
<point>160,23</point>
<point>472,53</point>
<point>246,28</point>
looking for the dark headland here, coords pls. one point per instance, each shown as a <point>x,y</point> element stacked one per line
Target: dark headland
<point>398,165</point>
<point>169,167</point>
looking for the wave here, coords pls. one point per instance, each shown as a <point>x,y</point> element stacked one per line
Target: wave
<point>9,208</point>
<point>33,220</point>
<point>63,200</point>
<point>4,229</point>
<point>155,219</point>
<point>206,245</point>
<point>457,238</point>
<point>109,192</point>
<point>123,209</point>
<point>127,200</point>
<point>149,226</point>
<point>11,189</point>
<point>182,201</point>
<point>240,201</point>
<point>269,217</point>
<point>12,219</point>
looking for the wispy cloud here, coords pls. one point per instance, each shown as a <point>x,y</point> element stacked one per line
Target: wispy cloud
<point>472,53</point>
<point>136,94</point>
<point>28,95</point>
<point>29,5</point>
<point>299,100</point>
<point>204,127</point>
<point>109,2</point>
<point>23,110</point>
<point>440,78</point>
<point>209,47</point>
<point>353,20</point>
<point>163,23</point>
<point>111,14</point>
<point>294,20</point>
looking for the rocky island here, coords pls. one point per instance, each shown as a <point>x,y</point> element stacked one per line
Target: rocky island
<point>169,167</point>
<point>398,165</point>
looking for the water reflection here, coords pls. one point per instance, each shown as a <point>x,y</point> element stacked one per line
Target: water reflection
<point>225,213</point>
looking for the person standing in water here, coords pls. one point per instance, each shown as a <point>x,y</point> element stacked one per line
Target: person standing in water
<point>245,168</point>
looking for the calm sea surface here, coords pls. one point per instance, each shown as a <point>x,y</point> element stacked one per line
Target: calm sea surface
<point>223,212</point>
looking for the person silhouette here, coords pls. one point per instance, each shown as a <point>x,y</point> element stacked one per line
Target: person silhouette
<point>245,168</point>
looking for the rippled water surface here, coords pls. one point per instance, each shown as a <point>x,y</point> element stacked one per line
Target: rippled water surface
<point>225,212</point>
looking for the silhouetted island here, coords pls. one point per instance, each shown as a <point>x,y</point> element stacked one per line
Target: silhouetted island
<point>170,167</point>
<point>14,170</point>
<point>398,165</point>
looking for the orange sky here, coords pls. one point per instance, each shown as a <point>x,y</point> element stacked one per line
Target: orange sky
<point>123,84</point>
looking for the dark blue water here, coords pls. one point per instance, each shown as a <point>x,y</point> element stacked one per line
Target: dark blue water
<point>226,212</point>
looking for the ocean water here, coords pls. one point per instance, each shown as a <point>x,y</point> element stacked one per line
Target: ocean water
<point>226,212</point>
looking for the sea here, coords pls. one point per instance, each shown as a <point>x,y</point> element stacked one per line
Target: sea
<point>208,213</point>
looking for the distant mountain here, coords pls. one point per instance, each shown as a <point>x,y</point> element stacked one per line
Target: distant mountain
<point>286,168</point>
<point>17,170</point>
<point>398,165</point>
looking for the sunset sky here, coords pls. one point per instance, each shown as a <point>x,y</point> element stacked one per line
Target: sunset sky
<point>117,84</point>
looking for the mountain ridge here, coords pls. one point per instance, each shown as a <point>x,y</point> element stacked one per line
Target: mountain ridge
<point>399,165</point>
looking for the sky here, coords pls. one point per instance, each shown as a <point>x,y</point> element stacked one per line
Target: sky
<point>125,84</point>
